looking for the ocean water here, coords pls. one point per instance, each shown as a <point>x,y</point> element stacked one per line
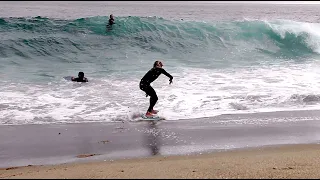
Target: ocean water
<point>225,58</point>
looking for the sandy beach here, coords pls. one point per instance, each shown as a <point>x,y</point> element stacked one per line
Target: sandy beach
<point>288,161</point>
<point>263,145</point>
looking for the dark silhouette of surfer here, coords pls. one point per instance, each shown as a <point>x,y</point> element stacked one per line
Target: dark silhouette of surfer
<point>145,86</point>
<point>80,78</point>
<point>110,23</point>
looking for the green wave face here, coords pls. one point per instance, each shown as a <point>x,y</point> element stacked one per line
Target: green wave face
<point>40,42</point>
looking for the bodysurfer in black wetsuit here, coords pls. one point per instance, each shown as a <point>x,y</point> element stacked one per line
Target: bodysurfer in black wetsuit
<point>111,20</point>
<point>145,86</point>
<point>80,78</point>
<point>110,23</point>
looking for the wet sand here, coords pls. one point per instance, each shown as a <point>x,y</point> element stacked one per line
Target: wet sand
<point>289,161</point>
<point>169,149</point>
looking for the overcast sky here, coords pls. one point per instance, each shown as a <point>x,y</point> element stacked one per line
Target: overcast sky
<point>266,2</point>
<point>247,2</point>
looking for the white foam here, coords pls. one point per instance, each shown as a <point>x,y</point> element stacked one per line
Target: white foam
<point>298,28</point>
<point>195,93</point>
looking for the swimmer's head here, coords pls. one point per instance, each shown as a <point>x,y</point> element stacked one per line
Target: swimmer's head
<point>81,75</point>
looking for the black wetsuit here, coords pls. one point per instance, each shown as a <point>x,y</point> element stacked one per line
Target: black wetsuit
<point>145,86</point>
<point>111,22</point>
<point>80,79</point>
<point>109,25</point>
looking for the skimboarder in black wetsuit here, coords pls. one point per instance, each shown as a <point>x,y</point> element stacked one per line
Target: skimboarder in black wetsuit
<point>145,86</point>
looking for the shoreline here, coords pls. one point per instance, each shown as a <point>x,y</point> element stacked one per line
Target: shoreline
<point>295,113</point>
<point>282,161</point>
<point>170,148</point>
<point>64,143</point>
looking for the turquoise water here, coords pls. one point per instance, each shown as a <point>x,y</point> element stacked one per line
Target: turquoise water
<point>220,65</point>
<point>47,48</point>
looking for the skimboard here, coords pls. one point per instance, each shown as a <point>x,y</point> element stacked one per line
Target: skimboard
<point>152,118</point>
<point>155,117</point>
<point>143,117</point>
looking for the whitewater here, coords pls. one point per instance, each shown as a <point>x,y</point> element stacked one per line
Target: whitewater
<point>221,64</point>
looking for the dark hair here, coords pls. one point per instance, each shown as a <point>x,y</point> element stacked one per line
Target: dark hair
<point>81,74</point>
<point>155,64</point>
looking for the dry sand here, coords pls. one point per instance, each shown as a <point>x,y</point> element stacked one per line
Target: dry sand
<point>289,161</point>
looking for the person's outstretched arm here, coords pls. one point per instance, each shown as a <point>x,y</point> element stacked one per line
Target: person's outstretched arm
<point>167,74</point>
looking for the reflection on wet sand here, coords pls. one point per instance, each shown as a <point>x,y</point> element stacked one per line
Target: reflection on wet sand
<point>152,138</point>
